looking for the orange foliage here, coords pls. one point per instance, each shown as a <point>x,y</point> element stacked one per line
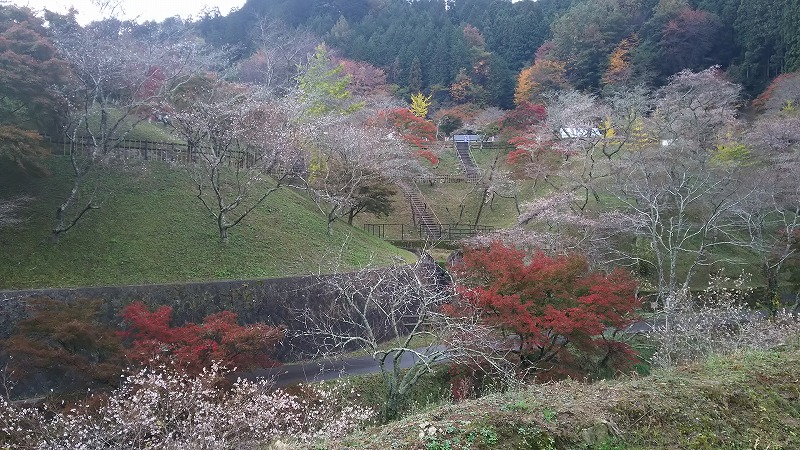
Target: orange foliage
<point>544,75</point>
<point>619,62</point>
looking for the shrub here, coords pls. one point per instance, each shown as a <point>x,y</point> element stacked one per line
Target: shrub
<point>169,409</point>
<point>192,346</point>
<point>64,345</point>
<point>716,322</point>
<point>560,314</point>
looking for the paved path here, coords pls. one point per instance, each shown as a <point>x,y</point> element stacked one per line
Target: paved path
<point>324,369</point>
<point>328,369</point>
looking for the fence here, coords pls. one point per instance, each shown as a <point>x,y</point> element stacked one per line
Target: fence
<point>183,153</point>
<point>474,177</point>
<point>406,232</point>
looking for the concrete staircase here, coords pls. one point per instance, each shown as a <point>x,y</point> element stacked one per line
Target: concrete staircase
<point>471,171</point>
<point>424,218</point>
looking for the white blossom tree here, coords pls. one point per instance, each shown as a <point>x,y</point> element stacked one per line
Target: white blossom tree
<point>350,155</point>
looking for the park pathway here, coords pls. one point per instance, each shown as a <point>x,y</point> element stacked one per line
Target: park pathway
<point>424,218</point>
<point>471,171</point>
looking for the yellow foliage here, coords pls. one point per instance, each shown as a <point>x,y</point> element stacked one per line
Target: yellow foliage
<point>420,104</point>
<point>524,86</point>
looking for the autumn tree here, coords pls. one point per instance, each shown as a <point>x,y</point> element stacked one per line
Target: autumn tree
<point>587,33</point>
<point>394,315</point>
<point>688,40</point>
<point>555,307</point>
<point>462,89</point>
<point>152,337</point>
<point>534,81</point>
<point>619,62</point>
<point>64,345</point>
<point>29,69</point>
<point>365,79</point>
<point>238,136</point>
<point>781,97</point>
<point>669,161</point>
<point>323,86</point>
<point>420,104</point>
<point>412,129</point>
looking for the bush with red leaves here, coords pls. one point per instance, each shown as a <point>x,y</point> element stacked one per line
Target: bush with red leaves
<point>194,346</point>
<point>562,315</point>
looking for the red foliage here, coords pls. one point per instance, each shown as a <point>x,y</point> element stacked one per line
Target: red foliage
<point>778,87</point>
<point>553,305</point>
<point>191,346</point>
<point>153,84</point>
<point>64,345</point>
<point>416,131</point>
<point>522,117</point>
<point>688,39</point>
<point>535,142</point>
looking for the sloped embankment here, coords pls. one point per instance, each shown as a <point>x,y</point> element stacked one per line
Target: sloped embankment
<point>744,401</point>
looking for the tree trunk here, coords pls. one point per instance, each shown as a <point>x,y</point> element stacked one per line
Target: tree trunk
<point>223,228</point>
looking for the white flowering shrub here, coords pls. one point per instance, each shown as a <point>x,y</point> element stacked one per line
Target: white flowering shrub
<point>169,410</point>
<point>717,322</point>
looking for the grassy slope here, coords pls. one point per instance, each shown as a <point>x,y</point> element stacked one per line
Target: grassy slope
<point>151,229</point>
<point>745,401</point>
<point>446,200</point>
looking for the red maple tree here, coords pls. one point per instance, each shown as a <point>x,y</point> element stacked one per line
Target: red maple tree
<point>192,347</point>
<point>416,131</point>
<point>554,307</point>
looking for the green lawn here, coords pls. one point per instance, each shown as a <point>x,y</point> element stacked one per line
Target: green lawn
<point>151,229</point>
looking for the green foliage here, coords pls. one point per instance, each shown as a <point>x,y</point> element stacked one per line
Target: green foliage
<point>733,153</point>
<point>324,88</point>
<point>737,402</point>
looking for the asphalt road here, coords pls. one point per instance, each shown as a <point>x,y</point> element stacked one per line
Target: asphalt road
<point>324,369</point>
<point>330,369</point>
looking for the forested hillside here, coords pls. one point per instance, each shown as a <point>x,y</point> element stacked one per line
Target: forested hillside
<point>438,45</point>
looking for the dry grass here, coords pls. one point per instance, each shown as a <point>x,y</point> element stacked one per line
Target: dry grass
<point>749,400</point>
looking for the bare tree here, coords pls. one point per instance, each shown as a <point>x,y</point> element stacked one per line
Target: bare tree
<point>772,215</point>
<point>279,54</point>
<point>119,79</point>
<point>239,137</point>
<point>394,315</point>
